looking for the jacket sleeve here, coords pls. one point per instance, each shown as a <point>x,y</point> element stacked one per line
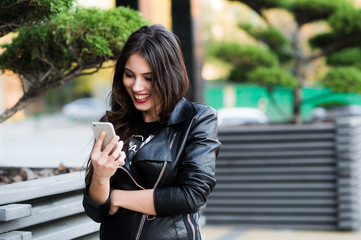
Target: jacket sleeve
<point>196,175</point>
<point>97,212</point>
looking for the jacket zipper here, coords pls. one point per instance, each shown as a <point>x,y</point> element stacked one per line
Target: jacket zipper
<point>141,226</point>
<point>155,185</point>
<point>160,175</point>
<point>171,143</point>
<point>150,217</point>
<point>144,215</point>
<point>192,226</point>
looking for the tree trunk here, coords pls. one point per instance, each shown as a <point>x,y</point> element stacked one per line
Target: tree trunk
<point>21,104</point>
<point>297,96</point>
<point>43,87</point>
<point>298,72</point>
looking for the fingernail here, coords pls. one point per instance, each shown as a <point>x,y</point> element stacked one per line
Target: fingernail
<point>102,133</point>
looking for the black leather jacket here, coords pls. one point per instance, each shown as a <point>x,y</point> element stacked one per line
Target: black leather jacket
<point>179,162</point>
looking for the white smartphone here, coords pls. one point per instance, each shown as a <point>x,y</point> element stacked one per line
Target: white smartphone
<point>107,127</point>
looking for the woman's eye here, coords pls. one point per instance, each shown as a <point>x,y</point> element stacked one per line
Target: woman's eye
<point>148,78</point>
<point>128,75</point>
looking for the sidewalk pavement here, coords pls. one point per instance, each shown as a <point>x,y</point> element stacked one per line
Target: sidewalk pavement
<point>235,233</point>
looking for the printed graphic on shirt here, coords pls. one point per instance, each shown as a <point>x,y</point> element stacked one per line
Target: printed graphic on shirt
<point>136,143</point>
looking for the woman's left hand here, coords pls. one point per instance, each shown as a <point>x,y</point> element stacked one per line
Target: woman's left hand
<point>113,207</point>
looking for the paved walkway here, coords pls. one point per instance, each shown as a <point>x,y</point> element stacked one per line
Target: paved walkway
<point>229,233</point>
<point>45,143</point>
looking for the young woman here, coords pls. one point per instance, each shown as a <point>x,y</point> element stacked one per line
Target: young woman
<point>156,186</point>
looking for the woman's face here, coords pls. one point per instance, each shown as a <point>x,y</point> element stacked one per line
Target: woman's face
<point>137,80</point>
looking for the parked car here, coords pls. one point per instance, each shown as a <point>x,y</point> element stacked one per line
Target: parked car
<point>322,114</point>
<point>240,116</point>
<point>85,109</point>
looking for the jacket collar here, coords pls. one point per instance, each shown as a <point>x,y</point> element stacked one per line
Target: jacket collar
<point>182,111</point>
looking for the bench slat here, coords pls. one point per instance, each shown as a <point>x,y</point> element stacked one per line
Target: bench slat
<point>16,235</point>
<point>14,211</point>
<point>21,191</point>
<point>48,211</point>
<point>68,228</point>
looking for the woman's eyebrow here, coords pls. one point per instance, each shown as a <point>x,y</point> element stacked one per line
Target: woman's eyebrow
<point>127,69</point>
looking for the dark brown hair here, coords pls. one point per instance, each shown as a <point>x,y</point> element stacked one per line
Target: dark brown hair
<point>161,48</point>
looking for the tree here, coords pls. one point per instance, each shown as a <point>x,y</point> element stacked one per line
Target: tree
<point>70,44</point>
<point>19,13</point>
<point>343,20</point>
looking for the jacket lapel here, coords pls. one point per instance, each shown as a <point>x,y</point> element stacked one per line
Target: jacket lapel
<point>182,111</point>
<point>158,149</point>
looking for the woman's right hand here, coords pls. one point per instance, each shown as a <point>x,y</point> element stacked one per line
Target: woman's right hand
<point>106,162</point>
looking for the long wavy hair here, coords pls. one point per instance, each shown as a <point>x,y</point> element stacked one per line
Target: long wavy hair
<point>161,48</point>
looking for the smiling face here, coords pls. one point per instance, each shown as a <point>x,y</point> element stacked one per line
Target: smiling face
<point>137,79</point>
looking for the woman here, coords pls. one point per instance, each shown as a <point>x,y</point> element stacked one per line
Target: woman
<point>156,186</point>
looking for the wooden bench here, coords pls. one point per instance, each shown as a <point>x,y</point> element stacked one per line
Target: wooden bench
<point>47,208</point>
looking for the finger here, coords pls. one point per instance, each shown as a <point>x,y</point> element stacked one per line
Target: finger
<point>118,146</point>
<point>120,161</point>
<point>121,144</point>
<point>95,153</point>
<point>113,210</point>
<point>99,142</point>
<point>115,154</point>
<point>110,145</point>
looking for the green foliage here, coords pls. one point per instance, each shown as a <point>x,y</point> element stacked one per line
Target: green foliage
<point>344,32</point>
<point>272,77</point>
<point>259,5</point>
<point>248,56</point>
<point>249,28</point>
<point>244,58</point>
<point>324,39</point>
<point>306,11</point>
<point>15,13</point>
<point>346,20</point>
<point>329,105</point>
<point>343,80</point>
<point>84,37</point>
<point>273,38</point>
<point>346,57</point>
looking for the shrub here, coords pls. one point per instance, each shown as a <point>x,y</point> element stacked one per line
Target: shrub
<point>348,56</point>
<point>343,80</point>
<point>272,77</point>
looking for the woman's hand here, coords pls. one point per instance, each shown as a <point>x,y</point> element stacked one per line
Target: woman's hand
<point>113,207</point>
<point>105,162</point>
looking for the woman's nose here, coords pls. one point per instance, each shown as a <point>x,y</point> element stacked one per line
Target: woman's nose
<point>137,86</point>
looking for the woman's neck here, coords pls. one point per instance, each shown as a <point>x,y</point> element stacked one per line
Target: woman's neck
<point>149,117</point>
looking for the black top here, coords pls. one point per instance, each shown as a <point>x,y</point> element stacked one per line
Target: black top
<point>147,131</point>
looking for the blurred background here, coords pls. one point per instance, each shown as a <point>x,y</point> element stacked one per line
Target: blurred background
<point>258,63</point>
<point>266,62</point>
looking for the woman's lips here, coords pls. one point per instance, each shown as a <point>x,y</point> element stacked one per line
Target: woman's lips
<point>141,98</point>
